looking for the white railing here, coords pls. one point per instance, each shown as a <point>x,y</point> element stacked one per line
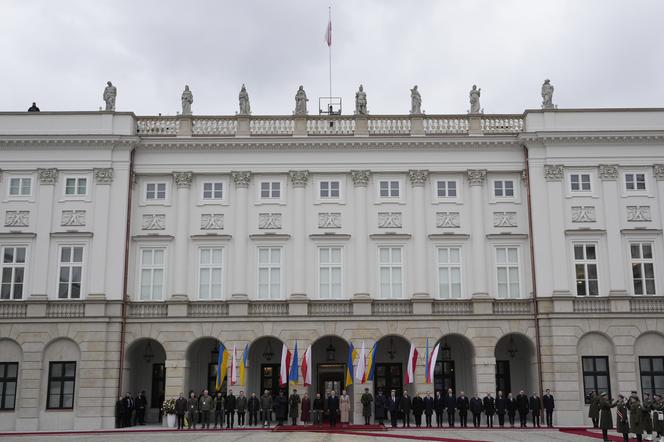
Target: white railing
<point>512,306</point>
<point>392,308</point>
<point>271,126</point>
<point>205,309</point>
<point>330,308</point>
<point>268,308</point>
<point>65,309</point>
<point>590,305</point>
<point>386,125</point>
<point>331,126</point>
<point>148,310</point>
<point>13,310</point>
<point>157,125</point>
<point>463,307</point>
<point>646,305</point>
<point>502,124</point>
<point>444,125</point>
<point>214,126</point>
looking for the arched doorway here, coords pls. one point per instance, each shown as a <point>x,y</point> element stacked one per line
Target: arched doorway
<point>201,366</point>
<point>516,366</point>
<point>329,357</point>
<point>264,362</point>
<point>391,355</point>
<point>454,366</point>
<point>145,370</point>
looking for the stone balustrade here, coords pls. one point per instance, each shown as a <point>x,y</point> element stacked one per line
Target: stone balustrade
<point>444,125</point>
<point>65,309</point>
<point>646,305</point>
<point>396,307</point>
<point>512,307</point>
<point>330,126</point>
<point>148,310</point>
<point>452,307</point>
<point>592,305</point>
<point>502,124</point>
<point>268,308</point>
<point>389,125</point>
<point>11,309</point>
<point>330,308</point>
<point>157,126</point>
<point>214,126</point>
<point>205,309</point>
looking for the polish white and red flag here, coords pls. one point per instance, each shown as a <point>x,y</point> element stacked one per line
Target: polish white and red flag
<point>328,33</point>
<point>285,366</point>
<point>233,369</point>
<point>412,361</point>
<point>306,367</point>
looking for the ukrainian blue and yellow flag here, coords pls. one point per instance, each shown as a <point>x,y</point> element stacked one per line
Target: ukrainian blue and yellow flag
<point>292,376</point>
<point>243,363</point>
<point>349,365</point>
<point>222,366</point>
<point>371,364</point>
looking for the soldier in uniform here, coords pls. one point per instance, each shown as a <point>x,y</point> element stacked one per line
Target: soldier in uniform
<point>635,416</point>
<point>266,408</point>
<point>593,410</point>
<point>293,406</point>
<point>658,416</point>
<point>647,418</point>
<point>366,400</point>
<point>622,424</point>
<point>192,409</point>
<point>218,407</point>
<point>605,418</point>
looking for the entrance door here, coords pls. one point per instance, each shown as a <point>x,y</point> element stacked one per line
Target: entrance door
<point>388,377</point>
<point>270,380</point>
<point>444,377</point>
<point>330,377</point>
<point>158,385</point>
<point>503,379</point>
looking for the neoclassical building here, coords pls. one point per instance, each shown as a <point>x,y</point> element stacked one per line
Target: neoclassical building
<point>529,246</point>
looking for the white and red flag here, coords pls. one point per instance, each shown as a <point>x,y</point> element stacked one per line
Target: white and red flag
<point>233,368</point>
<point>412,360</point>
<point>431,363</point>
<point>328,33</point>
<point>285,366</point>
<point>306,367</point>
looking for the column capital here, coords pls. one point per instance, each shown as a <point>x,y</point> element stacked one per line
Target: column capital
<point>360,177</point>
<point>476,177</point>
<point>241,178</point>
<point>608,172</point>
<point>418,177</point>
<point>47,176</point>
<point>299,178</point>
<point>104,176</point>
<point>554,172</point>
<point>658,171</point>
<point>183,179</point>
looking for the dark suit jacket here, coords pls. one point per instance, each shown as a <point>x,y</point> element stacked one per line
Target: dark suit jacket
<point>549,403</point>
<point>450,403</point>
<point>333,404</point>
<point>393,404</point>
<point>463,404</point>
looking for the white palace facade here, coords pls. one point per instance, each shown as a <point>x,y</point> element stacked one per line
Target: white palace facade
<point>530,246</point>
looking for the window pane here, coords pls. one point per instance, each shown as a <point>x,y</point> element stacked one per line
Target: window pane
<point>455,255</point>
<point>602,383</point>
<point>590,252</point>
<point>8,255</point>
<point>65,254</point>
<point>78,254</point>
<point>501,255</point>
<point>593,288</point>
<point>512,255</point>
<point>56,370</point>
<point>635,250</point>
<point>217,256</point>
<point>600,364</point>
<point>647,251</point>
<point>396,255</point>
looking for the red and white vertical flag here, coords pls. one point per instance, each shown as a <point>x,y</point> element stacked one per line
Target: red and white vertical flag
<point>233,368</point>
<point>306,367</point>
<point>412,360</point>
<point>285,366</point>
<point>328,33</point>
<point>431,363</point>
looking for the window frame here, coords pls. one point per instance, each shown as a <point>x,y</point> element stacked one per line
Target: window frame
<point>4,380</point>
<point>76,179</point>
<point>210,267</point>
<point>213,199</point>
<point>651,374</point>
<point>580,191</point>
<point>391,268</point>
<point>519,281</point>
<point>449,265</point>
<point>269,266</point>
<point>595,374</point>
<point>152,267</point>
<point>447,181</point>
<point>271,200</point>
<point>62,379</point>
<point>329,197</point>
<point>503,188</point>
<point>330,266</point>
<point>585,262</point>
<point>642,262</point>
<point>635,191</point>
<point>70,264</point>
<point>390,179</point>
<point>155,200</point>
<point>20,196</point>
<point>14,266</point>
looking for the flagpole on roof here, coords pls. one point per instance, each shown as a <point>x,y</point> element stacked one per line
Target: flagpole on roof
<point>329,44</point>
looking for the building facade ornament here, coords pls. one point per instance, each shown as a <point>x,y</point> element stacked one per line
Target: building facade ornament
<point>415,101</point>
<point>47,176</point>
<point>583,214</point>
<point>389,220</point>
<point>241,178</point>
<point>524,176</point>
<point>187,100</point>
<point>474,96</point>
<point>476,177</point>
<point>269,221</point>
<point>360,101</point>
<point>418,177</point>
<point>448,220</point>
<point>547,95</point>
<point>212,221</point>
<point>554,172</point>
<point>110,92</point>
<point>299,178</point>
<point>638,213</point>
<point>658,171</point>
<point>17,218</point>
<point>504,219</point>
<point>183,179</point>
<point>360,177</point>
<point>245,107</point>
<point>154,222</point>
<point>329,220</point>
<point>104,176</point>
<point>301,102</point>
<point>73,218</point>
<point>608,172</point>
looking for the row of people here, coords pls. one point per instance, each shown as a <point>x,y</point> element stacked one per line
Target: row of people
<point>130,410</point>
<point>632,415</point>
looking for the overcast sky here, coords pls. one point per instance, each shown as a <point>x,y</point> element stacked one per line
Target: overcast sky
<point>597,53</point>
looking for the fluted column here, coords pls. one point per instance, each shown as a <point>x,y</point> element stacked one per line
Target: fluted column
<point>608,174</point>
<point>360,263</point>
<point>476,179</point>
<point>44,216</point>
<point>299,179</point>
<point>183,185</point>
<point>103,180</point>
<point>241,180</point>
<point>417,179</point>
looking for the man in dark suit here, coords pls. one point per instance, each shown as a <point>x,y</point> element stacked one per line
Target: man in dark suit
<point>439,406</point>
<point>120,412</point>
<point>549,405</point>
<point>476,409</point>
<point>535,409</point>
<point>450,405</point>
<point>393,407</point>
<point>463,404</point>
<point>404,408</point>
<point>230,404</point>
<point>501,408</point>
<point>428,408</point>
<point>333,408</point>
<point>489,405</point>
<point>522,407</point>
<point>141,404</point>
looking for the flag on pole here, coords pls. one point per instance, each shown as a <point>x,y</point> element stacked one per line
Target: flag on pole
<point>328,33</point>
<point>293,372</point>
<point>360,370</point>
<point>371,365</point>
<point>243,363</point>
<point>285,366</point>
<point>349,365</point>
<point>306,367</point>
<point>427,380</point>
<point>412,360</point>
<point>222,366</point>
<point>431,362</point>
<point>234,368</point>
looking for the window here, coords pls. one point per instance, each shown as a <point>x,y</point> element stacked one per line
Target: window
<point>8,379</point>
<point>210,273</point>
<point>580,182</point>
<point>76,186</point>
<point>585,267</point>
<point>269,273</point>
<point>449,272</point>
<point>635,181</point>
<point>152,274</point>
<point>61,381</point>
<point>446,189</point>
<point>329,270</point>
<point>507,272</point>
<point>652,374</point>
<point>329,189</point>
<point>391,281</point>
<point>213,191</point>
<point>503,188</point>
<point>71,271</point>
<point>271,189</point>
<point>389,189</point>
<point>595,375</point>
<point>13,272</point>
<point>643,272</point>
<point>155,191</point>
<point>20,186</point>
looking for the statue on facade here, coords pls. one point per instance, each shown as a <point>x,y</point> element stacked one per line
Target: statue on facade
<point>187,100</point>
<point>110,92</point>
<point>361,101</point>
<point>415,101</point>
<point>475,100</point>
<point>301,102</point>
<point>245,108</point>
<point>547,95</point>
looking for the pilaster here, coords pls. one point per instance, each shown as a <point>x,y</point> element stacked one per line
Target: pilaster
<point>476,179</point>
<point>103,181</point>
<point>360,183</point>
<point>299,179</point>
<point>608,175</point>
<point>44,216</point>
<point>183,182</point>
<point>418,178</point>
<point>241,179</point>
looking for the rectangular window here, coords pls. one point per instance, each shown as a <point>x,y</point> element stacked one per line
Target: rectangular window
<point>20,186</point>
<point>155,191</point>
<point>269,273</point>
<point>652,374</point>
<point>329,271</point>
<point>580,182</point>
<point>210,273</point>
<point>635,181</point>
<point>585,268</point>
<point>271,189</point>
<point>213,191</point>
<point>507,272</point>
<point>449,272</point>
<point>76,186</point>
<point>643,268</point>
<point>503,188</point>
<point>61,381</point>
<point>13,272</point>
<point>71,272</point>
<point>389,189</point>
<point>391,269</point>
<point>8,379</point>
<point>152,274</point>
<point>329,189</point>
<point>446,189</point>
<point>595,375</point>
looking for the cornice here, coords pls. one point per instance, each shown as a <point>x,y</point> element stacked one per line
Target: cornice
<point>619,137</point>
<point>78,141</point>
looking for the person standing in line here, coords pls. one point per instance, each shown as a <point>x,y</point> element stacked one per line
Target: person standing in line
<point>380,407</point>
<point>417,406</point>
<point>605,418</point>
<point>647,418</point>
<point>393,407</point>
<point>180,410</point>
<point>367,401</point>
<point>293,407</point>
<point>450,405</point>
<point>501,408</point>
<point>462,407</point>
<point>535,409</point>
<point>253,405</point>
<point>305,413</point>
<point>523,408</point>
<point>344,408</point>
<point>428,408</point>
<point>141,404</point>
<point>241,405</point>
<point>281,408</point>
<point>622,421</point>
<point>489,405</point>
<point>205,405</point>
<point>404,408</point>
<point>120,412</point>
<point>333,408</point>
<point>635,416</point>
<point>439,406</point>
<point>218,407</point>
<point>476,410</point>
<point>510,405</point>
<point>658,417</point>
<point>266,408</point>
<point>593,409</point>
<point>230,405</point>
<point>129,406</point>
<point>549,405</point>
<point>318,409</point>
<point>192,410</point>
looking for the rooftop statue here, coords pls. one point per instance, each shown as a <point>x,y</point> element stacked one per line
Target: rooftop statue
<point>415,101</point>
<point>361,102</point>
<point>547,95</point>
<point>301,102</point>
<point>187,100</point>
<point>245,107</point>
<point>475,100</point>
<point>110,92</point>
